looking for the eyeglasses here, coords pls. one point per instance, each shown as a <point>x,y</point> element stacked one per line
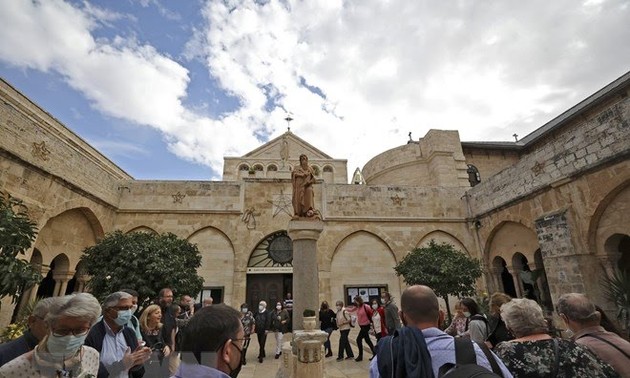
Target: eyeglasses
<point>121,308</point>
<point>66,332</point>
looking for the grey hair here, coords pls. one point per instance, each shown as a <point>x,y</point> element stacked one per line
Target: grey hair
<point>82,306</point>
<point>113,299</point>
<point>578,307</point>
<point>42,308</point>
<point>263,303</point>
<point>523,317</point>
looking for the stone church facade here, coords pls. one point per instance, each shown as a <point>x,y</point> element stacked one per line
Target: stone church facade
<point>546,215</point>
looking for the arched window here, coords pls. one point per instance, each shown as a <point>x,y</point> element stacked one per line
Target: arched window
<point>272,168</point>
<point>473,175</point>
<point>328,168</point>
<point>243,167</point>
<point>258,167</point>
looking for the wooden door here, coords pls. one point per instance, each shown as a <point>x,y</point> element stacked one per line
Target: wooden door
<point>264,287</point>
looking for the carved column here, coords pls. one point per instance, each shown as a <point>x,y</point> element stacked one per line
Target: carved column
<point>518,284</point>
<point>304,234</point>
<point>308,348</point>
<point>497,282</point>
<point>61,283</point>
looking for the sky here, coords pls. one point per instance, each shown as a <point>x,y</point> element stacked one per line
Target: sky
<point>167,88</point>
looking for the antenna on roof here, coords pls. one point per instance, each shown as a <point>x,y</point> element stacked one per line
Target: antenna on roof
<point>288,119</point>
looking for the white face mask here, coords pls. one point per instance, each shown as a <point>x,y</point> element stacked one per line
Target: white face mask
<point>244,310</point>
<point>338,308</point>
<point>467,314</point>
<point>375,306</point>
<point>134,308</point>
<point>278,307</point>
<point>261,308</point>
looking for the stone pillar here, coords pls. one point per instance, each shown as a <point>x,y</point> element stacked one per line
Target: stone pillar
<point>304,234</point>
<point>516,277</point>
<point>497,282</point>
<point>61,283</point>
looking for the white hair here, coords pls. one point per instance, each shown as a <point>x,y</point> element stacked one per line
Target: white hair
<point>113,299</point>
<point>523,317</point>
<point>82,306</point>
<point>42,308</point>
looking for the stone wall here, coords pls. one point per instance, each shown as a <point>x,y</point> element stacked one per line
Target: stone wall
<point>31,134</point>
<point>597,136</point>
<point>488,161</point>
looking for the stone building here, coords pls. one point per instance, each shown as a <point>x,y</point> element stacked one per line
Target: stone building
<point>546,214</point>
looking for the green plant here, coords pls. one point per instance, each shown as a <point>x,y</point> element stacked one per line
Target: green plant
<point>308,312</point>
<point>16,329</point>
<point>17,233</point>
<point>441,267</point>
<point>616,288</point>
<point>144,262</point>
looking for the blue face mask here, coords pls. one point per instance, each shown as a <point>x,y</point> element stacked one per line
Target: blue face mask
<point>123,317</point>
<point>63,347</point>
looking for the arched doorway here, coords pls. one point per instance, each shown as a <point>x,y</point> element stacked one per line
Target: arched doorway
<point>502,276</point>
<point>270,270</point>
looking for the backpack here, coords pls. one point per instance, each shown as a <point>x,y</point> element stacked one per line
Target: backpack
<point>466,363</point>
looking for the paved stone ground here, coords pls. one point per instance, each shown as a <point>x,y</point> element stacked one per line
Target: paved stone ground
<point>332,368</point>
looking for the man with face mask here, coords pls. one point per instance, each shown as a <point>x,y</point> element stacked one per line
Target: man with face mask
<point>120,354</point>
<point>262,319</point>
<point>134,323</point>
<point>212,344</point>
<point>420,346</point>
<point>36,331</point>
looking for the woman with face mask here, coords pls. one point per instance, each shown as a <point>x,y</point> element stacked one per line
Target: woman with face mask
<point>61,352</point>
<point>279,320</point>
<point>249,327</point>
<point>477,323</point>
<point>379,329</point>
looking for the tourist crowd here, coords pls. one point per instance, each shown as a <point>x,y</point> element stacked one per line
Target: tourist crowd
<point>76,336</point>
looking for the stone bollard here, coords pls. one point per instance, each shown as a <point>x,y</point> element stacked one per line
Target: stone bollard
<point>288,360</point>
<point>308,353</point>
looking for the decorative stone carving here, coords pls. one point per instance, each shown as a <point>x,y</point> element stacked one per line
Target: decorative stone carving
<point>538,168</point>
<point>281,204</point>
<point>40,150</point>
<point>178,197</point>
<point>397,200</point>
<point>249,218</point>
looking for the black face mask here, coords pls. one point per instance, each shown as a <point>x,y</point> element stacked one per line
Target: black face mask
<point>234,372</point>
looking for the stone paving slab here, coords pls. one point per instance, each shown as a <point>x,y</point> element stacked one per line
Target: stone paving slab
<point>332,368</point>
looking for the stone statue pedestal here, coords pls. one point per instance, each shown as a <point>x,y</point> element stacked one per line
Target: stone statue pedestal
<point>304,234</point>
<point>304,356</point>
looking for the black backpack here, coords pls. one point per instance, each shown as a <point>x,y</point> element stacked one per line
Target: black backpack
<point>466,362</point>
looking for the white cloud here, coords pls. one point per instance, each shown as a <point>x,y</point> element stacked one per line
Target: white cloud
<point>384,68</point>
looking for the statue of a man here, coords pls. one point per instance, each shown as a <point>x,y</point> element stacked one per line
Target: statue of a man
<point>303,179</point>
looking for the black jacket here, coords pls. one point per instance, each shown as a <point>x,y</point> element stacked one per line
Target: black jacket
<point>95,339</point>
<point>15,348</point>
<point>262,321</point>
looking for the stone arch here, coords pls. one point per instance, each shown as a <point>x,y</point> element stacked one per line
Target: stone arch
<point>328,168</point>
<point>84,206</point>
<point>243,167</point>
<point>502,279</point>
<point>217,260</point>
<point>372,262</point>
<point>609,225</point>
<point>442,237</point>
<point>69,232</point>
<point>56,280</point>
<point>511,241</point>
<point>510,237</point>
<point>272,168</point>
<point>617,246</point>
<point>258,167</point>
<point>146,229</point>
